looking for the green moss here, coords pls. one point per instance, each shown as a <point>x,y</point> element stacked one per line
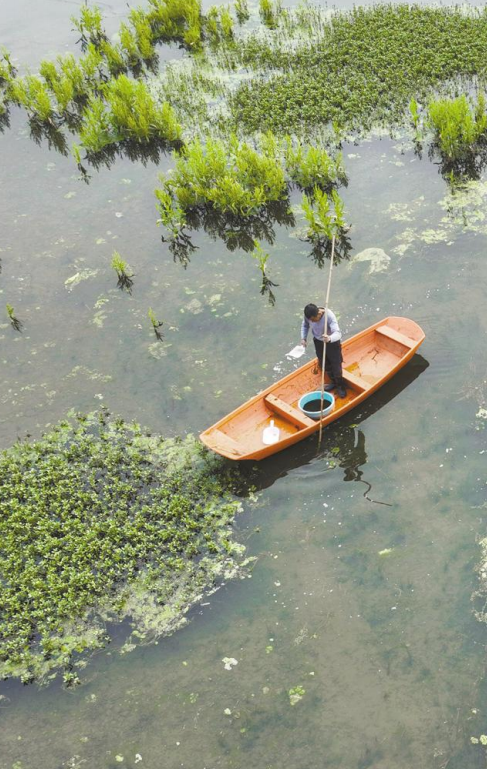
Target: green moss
<point>98,520</point>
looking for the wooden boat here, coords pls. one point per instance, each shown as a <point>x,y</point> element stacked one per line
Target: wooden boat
<point>370,358</point>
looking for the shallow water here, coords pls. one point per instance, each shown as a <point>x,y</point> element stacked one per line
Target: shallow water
<point>366,548</point>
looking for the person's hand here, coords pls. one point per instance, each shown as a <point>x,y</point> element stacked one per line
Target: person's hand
<point>326,338</point>
<point>304,342</point>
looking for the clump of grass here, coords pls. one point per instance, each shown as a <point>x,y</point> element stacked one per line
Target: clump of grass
<point>459,127</point>
<point>122,268</point>
<point>98,521</point>
<point>310,166</point>
<point>267,284</point>
<point>15,322</point>
<point>231,177</point>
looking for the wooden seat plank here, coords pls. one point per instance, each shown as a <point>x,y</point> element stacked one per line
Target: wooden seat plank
<point>293,415</point>
<point>396,336</point>
<point>223,441</point>
<point>355,381</point>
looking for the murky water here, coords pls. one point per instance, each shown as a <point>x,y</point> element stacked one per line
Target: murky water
<point>366,548</point>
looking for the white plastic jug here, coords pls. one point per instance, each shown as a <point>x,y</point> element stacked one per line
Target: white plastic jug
<point>270,434</point>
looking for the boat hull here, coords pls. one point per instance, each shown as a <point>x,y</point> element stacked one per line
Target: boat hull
<point>370,358</point>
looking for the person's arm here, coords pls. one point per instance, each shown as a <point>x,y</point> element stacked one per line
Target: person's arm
<point>304,331</point>
<point>335,333</point>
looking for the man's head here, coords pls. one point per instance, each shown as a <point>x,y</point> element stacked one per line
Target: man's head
<point>311,312</point>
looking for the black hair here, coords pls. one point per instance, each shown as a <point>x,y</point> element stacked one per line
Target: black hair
<point>311,311</point>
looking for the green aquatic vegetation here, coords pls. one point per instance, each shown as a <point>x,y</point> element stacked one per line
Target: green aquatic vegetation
<point>122,268</point>
<point>15,322</point>
<point>89,25</point>
<point>172,216</point>
<point>267,284</point>
<point>458,125</point>
<point>310,166</point>
<point>229,176</point>
<point>143,34</point>
<point>323,221</point>
<point>241,11</point>
<point>360,68</point>
<point>66,81</point>
<point>218,25</point>
<point>96,130</point>
<point>32,93</point>
<point>179,20</point>
<point>135,114</point>
<point>101,521</point>
<point>296,694</point>
<point>269,11</point>
<point>127,112</point>
<point>7,69</point>
<point>156,324</point>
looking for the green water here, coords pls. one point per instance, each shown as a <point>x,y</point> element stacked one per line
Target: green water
<point>385,646</point>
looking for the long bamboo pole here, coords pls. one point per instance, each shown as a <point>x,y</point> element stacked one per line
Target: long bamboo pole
<point>325,328</point>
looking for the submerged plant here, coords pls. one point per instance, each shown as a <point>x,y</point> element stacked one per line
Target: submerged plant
<point>269,12</point>
<point>122,268</point>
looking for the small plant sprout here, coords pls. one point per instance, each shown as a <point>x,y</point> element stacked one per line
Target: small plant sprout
<point>121,268</point>
<point>16,323</point>
<point>267,284</point>
<point>156,324</point>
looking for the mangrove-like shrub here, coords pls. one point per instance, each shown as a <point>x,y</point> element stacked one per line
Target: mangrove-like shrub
<point>100,521</point>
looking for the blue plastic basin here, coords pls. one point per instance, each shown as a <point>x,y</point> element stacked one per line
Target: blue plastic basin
<point>328,403</point>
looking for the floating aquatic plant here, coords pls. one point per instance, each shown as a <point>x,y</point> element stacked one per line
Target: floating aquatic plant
<point>241,11</point>
<point>32,93</point>
<point>99,521</point>
<point>269,11</point>
<point>122,268</point>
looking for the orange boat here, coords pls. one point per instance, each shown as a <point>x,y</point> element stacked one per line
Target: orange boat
<point>370,358</point>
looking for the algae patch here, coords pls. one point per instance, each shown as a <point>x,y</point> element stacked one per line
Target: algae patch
<point>101,521</point>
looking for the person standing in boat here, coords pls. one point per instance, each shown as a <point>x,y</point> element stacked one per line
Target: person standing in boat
<point>314,318</point>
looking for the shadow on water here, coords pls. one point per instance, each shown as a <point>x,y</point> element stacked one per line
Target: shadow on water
<point>344,444</point>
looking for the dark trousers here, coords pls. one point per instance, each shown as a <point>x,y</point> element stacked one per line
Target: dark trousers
<point>333,360</point>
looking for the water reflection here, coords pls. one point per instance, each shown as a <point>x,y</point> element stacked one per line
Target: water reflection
<point>344,443</point>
